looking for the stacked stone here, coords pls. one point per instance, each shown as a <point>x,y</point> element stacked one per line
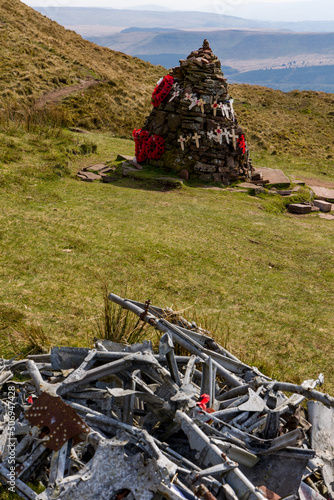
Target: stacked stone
<point>198,123</point>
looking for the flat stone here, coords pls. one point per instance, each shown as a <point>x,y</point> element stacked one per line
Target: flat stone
<point>323,206</point>
<point>299,208</point>
<point>106,170</point>
<point>90,175</point>
<point>297,188</point>
<point>323,193</point>
<point>247,185</point>
<point>284,192</point>
<point>315,209</point>
<point>275,176</point>
<point>250,186</point>
<point>124,157</point>
<point>96,168</point>
<point>326,216</point>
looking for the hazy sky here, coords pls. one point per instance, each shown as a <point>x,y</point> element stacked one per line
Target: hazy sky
<point>282,10</point>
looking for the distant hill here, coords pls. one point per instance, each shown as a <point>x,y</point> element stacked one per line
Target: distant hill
<point>39,56</point>
<point>81,16</point>
<point>271,57</point>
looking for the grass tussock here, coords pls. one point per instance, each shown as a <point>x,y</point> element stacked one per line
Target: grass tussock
<point>120,325</point>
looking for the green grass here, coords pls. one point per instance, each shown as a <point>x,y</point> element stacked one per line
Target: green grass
<point>270,275</point>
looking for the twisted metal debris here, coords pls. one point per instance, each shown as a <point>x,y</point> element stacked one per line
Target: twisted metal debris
<point>123,421</point>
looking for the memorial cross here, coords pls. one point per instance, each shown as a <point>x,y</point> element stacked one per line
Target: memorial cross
<point>196,137</point>
<point>215,106</point>
<point>234,138</point>
<point>201,103</point>
<point>181,140</point>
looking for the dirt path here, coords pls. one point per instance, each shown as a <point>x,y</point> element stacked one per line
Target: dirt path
<point>57,95</point>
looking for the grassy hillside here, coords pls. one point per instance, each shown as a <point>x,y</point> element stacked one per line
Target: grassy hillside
<point>39,56</point>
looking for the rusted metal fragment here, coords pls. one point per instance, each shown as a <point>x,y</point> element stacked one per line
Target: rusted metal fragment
<point>62,421</point>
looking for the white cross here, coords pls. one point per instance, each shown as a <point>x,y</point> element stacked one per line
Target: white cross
<point>219,133</point>
<point>210,135</point>
<point>193,101</point>
<point>234,138</point>
<point>231,107</point>
<point>225,110</point>
<point>175,94</point>
<point>226,135</point>
<point>196,137</point>
<point>182,140</point>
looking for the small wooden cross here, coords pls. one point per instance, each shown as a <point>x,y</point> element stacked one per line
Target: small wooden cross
<point>201,103</point>
<point>182,140</point>
<point>234,137</point>
<point>196,137</point>
<point>210,134</point>
<point>215,106</point>
<point>187,97</point>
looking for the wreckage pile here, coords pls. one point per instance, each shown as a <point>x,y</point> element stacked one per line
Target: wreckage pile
<point>190,421</point>
<point>193,128</point>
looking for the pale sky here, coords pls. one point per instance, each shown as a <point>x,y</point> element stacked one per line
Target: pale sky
<point>282,10</point>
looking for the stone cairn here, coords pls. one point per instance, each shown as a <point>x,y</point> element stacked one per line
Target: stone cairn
<point>198,124</point>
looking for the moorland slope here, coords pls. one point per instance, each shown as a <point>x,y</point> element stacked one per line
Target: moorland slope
<point>38,56</point>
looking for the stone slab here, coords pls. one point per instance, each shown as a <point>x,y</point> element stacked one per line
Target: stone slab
<point>326,216</point>
<point>324,206</point>
<point>299,208</point>
<point>247,185</point>
<point>96,168</point>
<point>250,185</point>
<point>323,193</point>
<point>90,176</point>
<point>284,192</point>
<point>125,157</point>
<point>275,176</point>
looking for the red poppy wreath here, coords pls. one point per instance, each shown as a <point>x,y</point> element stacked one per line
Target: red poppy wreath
<point>162,90</point>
